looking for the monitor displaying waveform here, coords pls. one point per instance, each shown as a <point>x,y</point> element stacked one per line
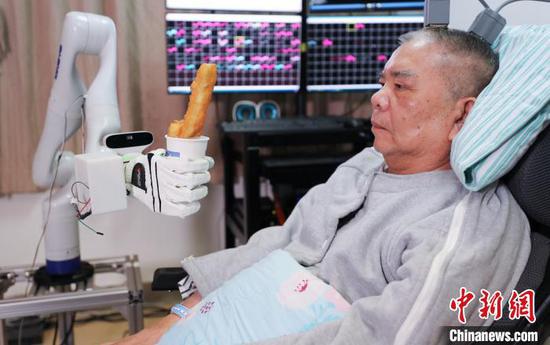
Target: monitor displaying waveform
<point>293,6</point>
<point>364,5</point>
<point>348,53</point>
<point>253,53</point>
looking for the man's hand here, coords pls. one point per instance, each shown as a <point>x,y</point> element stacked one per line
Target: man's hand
<point>168,185</point>
<point>153,334</point>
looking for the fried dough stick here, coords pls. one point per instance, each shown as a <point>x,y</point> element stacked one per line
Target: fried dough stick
<point>201,94</point>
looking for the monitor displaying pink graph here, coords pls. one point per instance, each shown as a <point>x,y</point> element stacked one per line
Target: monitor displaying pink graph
<point>253,53</point>
<point>348,53</point>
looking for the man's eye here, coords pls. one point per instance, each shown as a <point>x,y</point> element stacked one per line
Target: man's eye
<point>399,86</point>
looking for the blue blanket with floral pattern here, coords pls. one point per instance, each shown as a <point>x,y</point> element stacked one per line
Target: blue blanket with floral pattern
<point>272,298</point>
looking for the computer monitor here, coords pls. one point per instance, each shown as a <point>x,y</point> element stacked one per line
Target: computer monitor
<point>253,53</point>
<point>294,6</point>
<point>348,53</point>
<point>363,5</point>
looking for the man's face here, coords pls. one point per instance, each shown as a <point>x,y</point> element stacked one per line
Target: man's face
<point>409,111</point>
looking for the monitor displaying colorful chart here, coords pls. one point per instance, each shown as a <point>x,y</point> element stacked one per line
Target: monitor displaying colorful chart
<point>253,53</point>
<point>348,53</point>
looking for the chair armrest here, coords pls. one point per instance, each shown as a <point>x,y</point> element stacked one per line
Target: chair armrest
<point>167,278</point>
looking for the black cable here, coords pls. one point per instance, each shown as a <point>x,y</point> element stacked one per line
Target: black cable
<point>36,289</point>
<point>507,2</point>
<point>484,4</point>
<point>20,333</point>
<point>74,194</point>
<point>69,330</point>
<point>56,329</point>
<point>89,227</point>
<point>83,216</point>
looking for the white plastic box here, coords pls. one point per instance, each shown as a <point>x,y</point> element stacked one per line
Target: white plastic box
<point>103,173</point>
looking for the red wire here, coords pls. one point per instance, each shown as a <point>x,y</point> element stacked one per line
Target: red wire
<point>83,207</point>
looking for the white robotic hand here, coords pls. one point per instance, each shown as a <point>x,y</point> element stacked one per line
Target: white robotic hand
<point>168,185</point>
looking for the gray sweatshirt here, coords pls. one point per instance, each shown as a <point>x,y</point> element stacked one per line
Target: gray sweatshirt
<point>415,241</point>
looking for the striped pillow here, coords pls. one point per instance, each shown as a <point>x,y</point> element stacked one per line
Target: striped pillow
<point>510,112</point>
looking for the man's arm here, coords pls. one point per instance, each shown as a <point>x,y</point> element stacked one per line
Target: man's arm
<point>153,334</point>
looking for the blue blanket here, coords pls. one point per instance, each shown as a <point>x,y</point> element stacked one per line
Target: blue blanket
<point>272,298</point>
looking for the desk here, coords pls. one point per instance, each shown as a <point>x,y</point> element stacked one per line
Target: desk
<point>242,142</point>
<point>126,298</point>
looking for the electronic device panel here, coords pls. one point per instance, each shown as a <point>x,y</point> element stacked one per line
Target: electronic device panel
<point>253,53</point>
<point>348,53</point>
<point>363,5</point>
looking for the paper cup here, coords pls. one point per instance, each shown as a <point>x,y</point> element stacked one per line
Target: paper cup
<point>186,147</point>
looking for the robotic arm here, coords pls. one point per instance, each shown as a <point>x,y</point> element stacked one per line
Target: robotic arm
<point>89,34</point>
<point>178,181</point>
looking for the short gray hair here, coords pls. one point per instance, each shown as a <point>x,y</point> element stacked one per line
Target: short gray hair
<point>480,62</point>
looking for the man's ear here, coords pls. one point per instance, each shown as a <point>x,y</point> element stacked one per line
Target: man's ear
<point>462,109</point>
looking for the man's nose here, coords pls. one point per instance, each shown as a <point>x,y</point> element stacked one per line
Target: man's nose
<point>380,100</point>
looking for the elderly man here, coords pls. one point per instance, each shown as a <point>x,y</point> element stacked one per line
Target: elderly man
<point>415,235</point>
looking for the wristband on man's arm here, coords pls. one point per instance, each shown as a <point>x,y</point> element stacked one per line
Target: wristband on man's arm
<point>180,310</point>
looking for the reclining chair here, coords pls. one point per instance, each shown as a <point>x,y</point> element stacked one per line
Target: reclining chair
<point>529,182</point>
